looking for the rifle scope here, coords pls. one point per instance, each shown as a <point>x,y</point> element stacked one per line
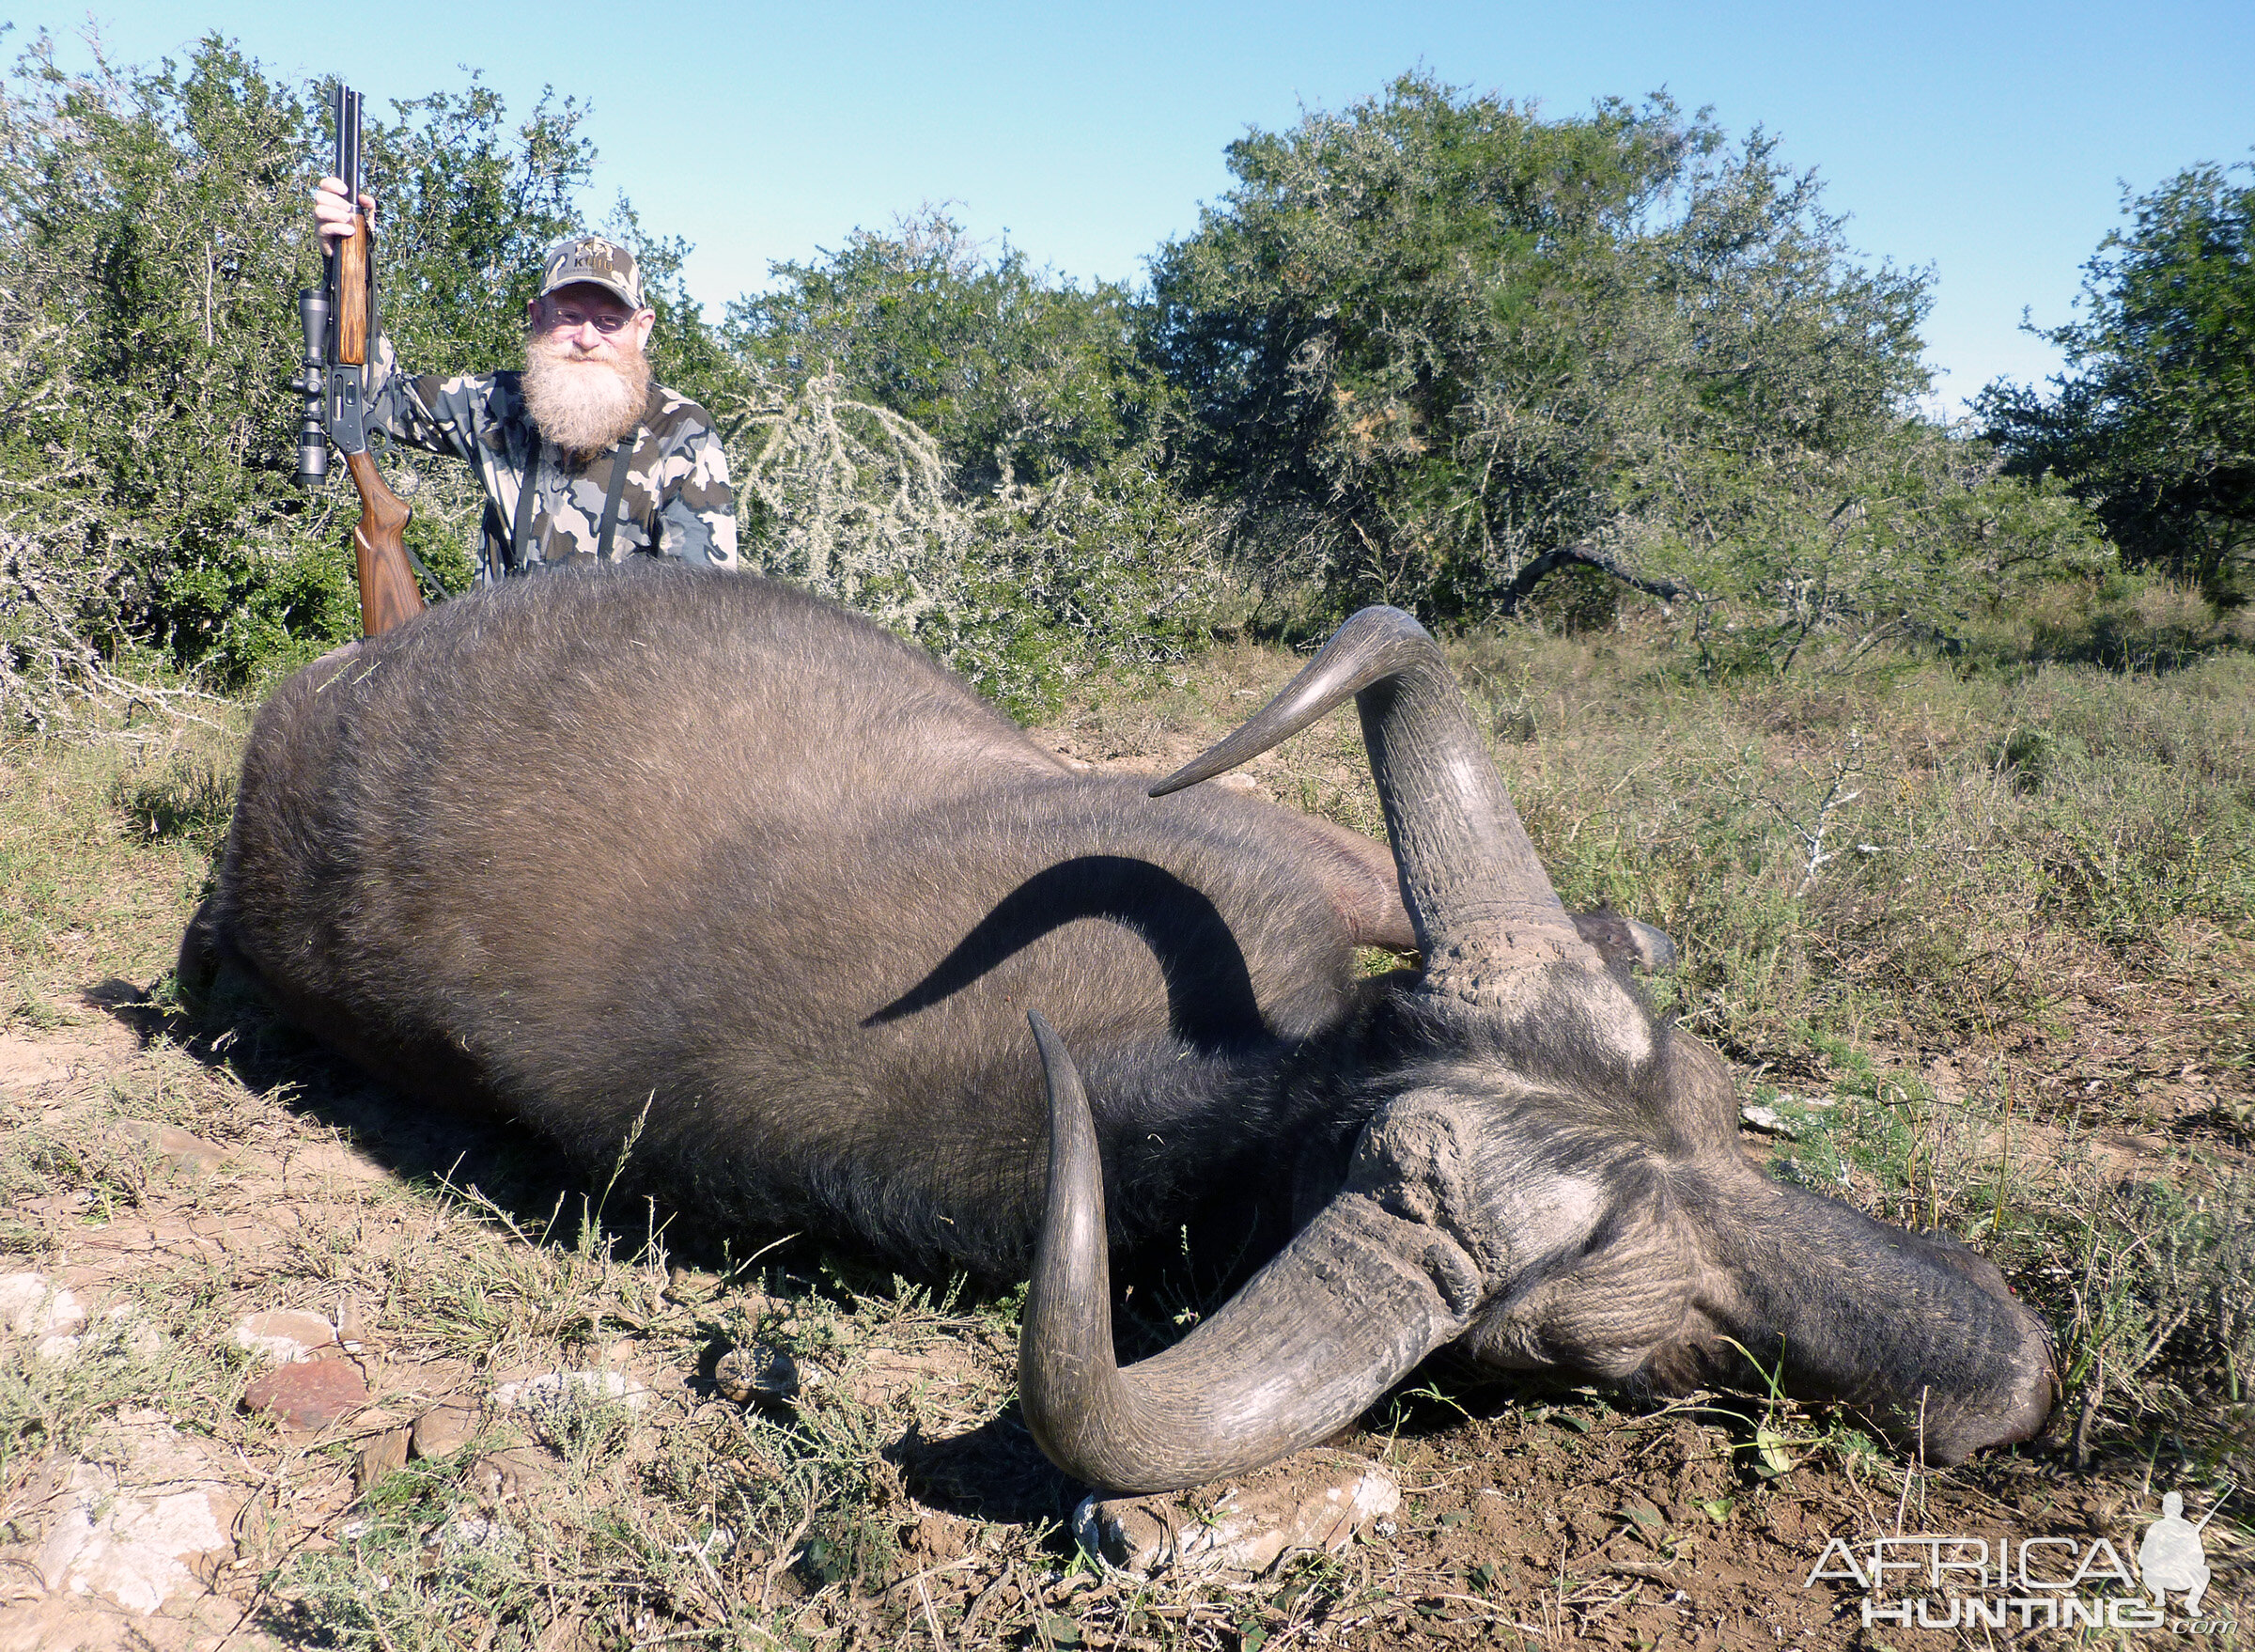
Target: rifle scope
<point>313,434</point>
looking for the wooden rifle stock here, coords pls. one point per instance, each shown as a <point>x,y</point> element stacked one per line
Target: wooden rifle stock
<point>388,593</point>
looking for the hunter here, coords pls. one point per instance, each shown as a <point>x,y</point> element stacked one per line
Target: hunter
<point>582,457</point>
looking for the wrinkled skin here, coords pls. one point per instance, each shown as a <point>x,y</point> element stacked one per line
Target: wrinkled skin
<point>1542,1207</point>
<point>690,858</point>
<point>1648,1252</point>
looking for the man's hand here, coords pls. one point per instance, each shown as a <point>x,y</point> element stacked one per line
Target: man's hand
<point>333,213</point>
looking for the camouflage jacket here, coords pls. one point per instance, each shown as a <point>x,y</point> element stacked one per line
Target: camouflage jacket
<point>675,500</point>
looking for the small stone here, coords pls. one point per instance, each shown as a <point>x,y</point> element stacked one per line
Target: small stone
<point>311,1394</point>
<point>120,1327</point>
<point>467,1534</point>
<point>172,1144</point>
<point>1769,1121</point>
<point>32,1305</point>
<point>1312,1502</point>
<point>758,1373</point>
<point>378,1457</point>
<point>445,1429</point>
<point>553,1391</point>
<point>131,1549</point>
<point>285,1334</point>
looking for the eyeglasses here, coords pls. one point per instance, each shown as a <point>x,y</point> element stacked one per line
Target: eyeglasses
<point>566,319</point>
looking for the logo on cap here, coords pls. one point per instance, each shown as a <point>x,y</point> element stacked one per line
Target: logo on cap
<point>590,258</point>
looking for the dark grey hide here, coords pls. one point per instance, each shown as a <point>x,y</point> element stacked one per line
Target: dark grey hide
<point>692,843</point>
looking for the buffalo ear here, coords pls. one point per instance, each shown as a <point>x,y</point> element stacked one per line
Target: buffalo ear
<point>1624,941</point>
<point>1357,875</point>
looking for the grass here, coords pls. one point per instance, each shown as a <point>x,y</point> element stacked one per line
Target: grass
<point>2036,930</point>
<point>2010,1000</point>
<point>100,848</point>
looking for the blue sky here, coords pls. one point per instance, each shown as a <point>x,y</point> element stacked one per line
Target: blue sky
<point>1987,141</point>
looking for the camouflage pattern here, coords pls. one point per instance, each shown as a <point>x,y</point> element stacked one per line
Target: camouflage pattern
<point>676,500</point>
<point>590,258</point>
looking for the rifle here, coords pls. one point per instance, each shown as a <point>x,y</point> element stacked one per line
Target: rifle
<point>339,320</point>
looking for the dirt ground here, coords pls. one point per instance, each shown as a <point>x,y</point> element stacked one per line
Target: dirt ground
<point>1525,1516</point>
<point>503,1410</point>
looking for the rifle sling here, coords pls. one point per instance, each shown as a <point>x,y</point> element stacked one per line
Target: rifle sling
<point>433,591</point>
<point>618,485</point>
<point>522,532</point>
<point>528,485</point>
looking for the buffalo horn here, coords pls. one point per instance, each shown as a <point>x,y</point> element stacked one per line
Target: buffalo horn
<point>1356,1300</point>
<point>1480,901</point>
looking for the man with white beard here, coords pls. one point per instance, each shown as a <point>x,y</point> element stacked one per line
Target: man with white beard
<point>582,457</point>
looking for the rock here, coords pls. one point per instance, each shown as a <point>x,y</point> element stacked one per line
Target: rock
<point>444,1430</point>
<point>172,1144</point>
<point>554,1392</point>
<point>757,1373</point>
<point>1316,1501</point>
<point>141,1528</point>
<point>465,1534</point>
<point>378,1457</point>
<point>125,1331</point>
<point>311,1394</point>
<point>32,1305</point>
<point>285,1334</point>
<point>134,1549</point>
<point>553,1400</point>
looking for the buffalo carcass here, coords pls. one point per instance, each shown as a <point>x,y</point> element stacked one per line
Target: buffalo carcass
<point>694,860</point>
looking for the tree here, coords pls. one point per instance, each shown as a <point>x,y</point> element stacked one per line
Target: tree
<point>467,205</point>
<point>1433,343</point>
<point>969,449</point>
<point>146,245</point>
<point>1018,374</point>
<point>2153,423</point>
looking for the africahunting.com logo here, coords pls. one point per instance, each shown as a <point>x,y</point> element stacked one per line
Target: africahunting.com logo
<point>1956,1581</point>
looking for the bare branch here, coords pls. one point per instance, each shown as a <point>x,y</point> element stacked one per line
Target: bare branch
<point>1587,553</point>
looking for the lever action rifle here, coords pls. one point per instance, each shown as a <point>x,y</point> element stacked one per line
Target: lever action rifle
<point>340,318</point>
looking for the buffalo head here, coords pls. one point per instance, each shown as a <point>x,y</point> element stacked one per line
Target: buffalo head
<point>1549,1177</point>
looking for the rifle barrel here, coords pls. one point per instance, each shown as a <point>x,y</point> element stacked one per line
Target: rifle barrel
<point>352,319</point>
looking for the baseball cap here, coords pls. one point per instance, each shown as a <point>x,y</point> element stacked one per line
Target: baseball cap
<point>590,258</point>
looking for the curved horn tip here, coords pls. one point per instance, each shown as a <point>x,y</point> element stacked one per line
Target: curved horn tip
<point>1067,1381</point>
<point>1343,1312</point>
<point>1350,660</point>
<point>1054,1053</point>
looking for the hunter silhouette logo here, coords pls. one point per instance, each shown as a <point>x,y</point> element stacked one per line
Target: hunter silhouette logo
<point>2171,1556</point>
